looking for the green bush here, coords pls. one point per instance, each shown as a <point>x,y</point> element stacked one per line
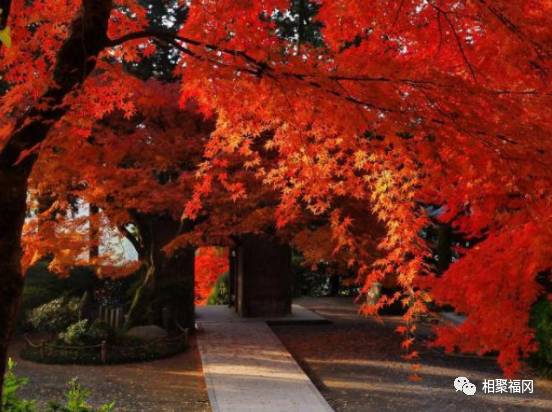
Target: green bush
<point>80,279</point>
<point>541,320</point>
<point>100,331</point>
<point>83,333</point>
<point>76,401</point>
<point>42,286</point>
<point>54,316</point>
<point>123,349</point>
<point>36,295</point>
<point>10,400</point>
<point>220,295</point>
<point>76,397</point>
<point>76,333</point>
<point>309,283</point>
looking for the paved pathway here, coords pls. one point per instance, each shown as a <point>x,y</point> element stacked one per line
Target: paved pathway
<point>247,369</point>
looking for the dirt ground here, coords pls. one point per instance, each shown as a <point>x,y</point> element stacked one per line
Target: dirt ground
<point>356,364</point>
<point>174,384</point>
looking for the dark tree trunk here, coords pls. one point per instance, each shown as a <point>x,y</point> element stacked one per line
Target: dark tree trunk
<point>335,285</point>
<point>175,289</point>
<point>94,233</point>
<point>13,186</point>
<point>167,290</point>
<point>444,247</point>
<point>145,247</point>
<point>75,60</point>
<point>141,295</point>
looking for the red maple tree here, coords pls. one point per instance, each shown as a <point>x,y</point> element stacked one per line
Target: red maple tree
<point>400,106</point>
<point>210,264</point>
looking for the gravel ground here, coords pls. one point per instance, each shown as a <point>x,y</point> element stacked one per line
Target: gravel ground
<point>356,364</point>
<point>167,385</point>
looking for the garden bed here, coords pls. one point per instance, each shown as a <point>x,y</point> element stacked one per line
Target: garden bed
<point>54,352</point>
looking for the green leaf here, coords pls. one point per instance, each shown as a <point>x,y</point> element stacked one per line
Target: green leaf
<point>5,37</point>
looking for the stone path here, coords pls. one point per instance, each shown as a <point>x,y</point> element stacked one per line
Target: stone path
<point>247,368</point>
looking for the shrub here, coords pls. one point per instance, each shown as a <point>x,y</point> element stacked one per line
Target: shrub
<point>76,333</point>
<point>35,295</point>
<point>541,320</point>
<point>220,295</point>
<point>123,349</point>
<point>100,331</point>
<point>10,400</point>
<point>309,283</point>
<point>76,397</point>
<point>80,279</point>
<point>43,286</point>
<point>84,333</point>
<point>76,401</point>
<point>54,316</point>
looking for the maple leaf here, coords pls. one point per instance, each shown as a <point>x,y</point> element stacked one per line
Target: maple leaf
<point>415,378</point>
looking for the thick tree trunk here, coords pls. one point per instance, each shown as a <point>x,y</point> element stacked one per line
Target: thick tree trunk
<point>168,288</point>
<point>175,289</point>
<point>13,186</point>
<point>144,243</point>
<point>139,296</point>
<point>75,60</point>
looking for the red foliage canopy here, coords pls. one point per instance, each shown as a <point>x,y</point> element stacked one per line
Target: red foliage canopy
<point>404,105</point>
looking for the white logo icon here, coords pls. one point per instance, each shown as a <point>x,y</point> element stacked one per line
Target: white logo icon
<point>463,384</point>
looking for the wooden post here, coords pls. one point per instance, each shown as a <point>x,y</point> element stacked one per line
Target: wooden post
<point>232,264</point>
<point>103,354</point>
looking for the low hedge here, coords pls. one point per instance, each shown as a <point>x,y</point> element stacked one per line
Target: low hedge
<point>125,351</point>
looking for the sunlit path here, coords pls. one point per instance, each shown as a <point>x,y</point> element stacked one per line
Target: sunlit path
<point>248,369</point>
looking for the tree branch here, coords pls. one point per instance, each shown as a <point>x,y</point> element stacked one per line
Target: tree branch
<point>513,28</point>
<point>445,14</point>
<point>75,60</point>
